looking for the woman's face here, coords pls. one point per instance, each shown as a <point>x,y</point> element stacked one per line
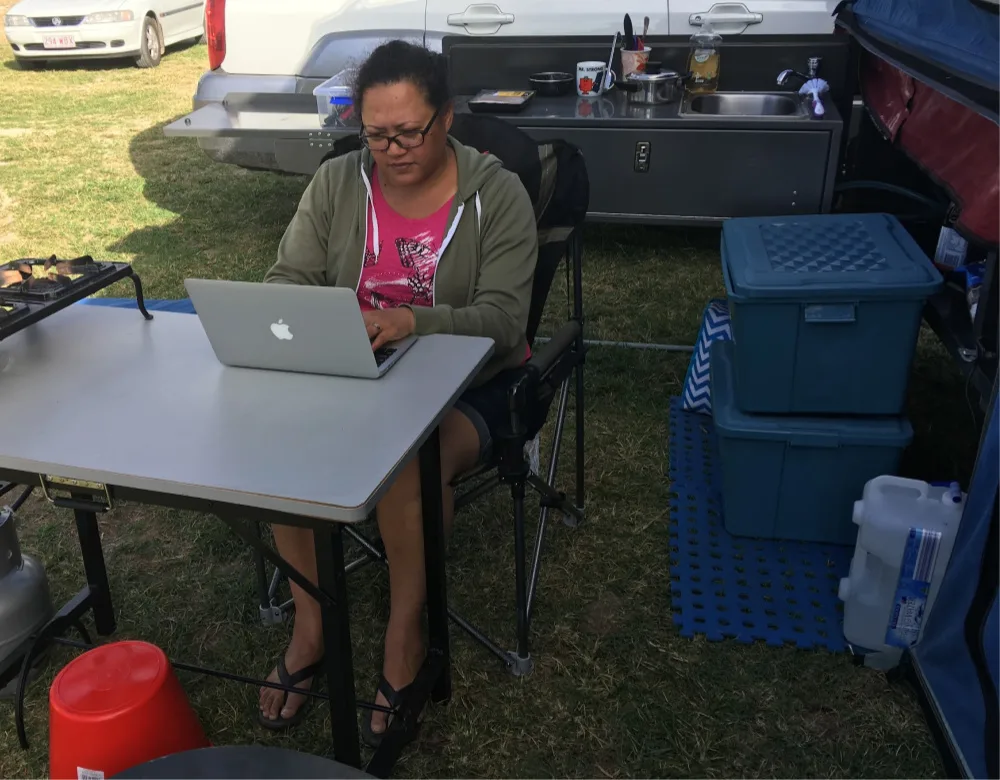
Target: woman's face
<point>402,110</point>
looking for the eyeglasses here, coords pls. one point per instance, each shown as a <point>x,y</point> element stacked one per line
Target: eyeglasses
<point>410,139</point>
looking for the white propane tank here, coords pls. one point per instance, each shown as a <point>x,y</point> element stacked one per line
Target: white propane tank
<point>906,533</point>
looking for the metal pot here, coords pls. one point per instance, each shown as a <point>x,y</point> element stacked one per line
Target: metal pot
<point>653,89</point>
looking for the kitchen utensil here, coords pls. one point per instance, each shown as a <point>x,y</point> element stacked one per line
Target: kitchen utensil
<point>552,83</point>
<point>629,42</point>
<point>592,78</point>
<point>653,89</point>
<point>611,59</point>
<point>634,61</point>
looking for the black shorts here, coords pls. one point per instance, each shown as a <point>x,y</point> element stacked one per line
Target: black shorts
<point>487,408</point>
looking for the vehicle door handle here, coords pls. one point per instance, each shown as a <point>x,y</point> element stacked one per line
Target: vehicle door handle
<point>726,14</point>
<point>480,15</point>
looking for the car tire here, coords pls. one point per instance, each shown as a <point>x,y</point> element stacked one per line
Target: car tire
<point>150,44</point>
<point>24,63</point>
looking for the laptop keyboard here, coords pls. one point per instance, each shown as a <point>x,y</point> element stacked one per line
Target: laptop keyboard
<point>383,353</point>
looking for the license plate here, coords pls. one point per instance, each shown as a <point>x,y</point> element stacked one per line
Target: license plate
<point>59,42</point>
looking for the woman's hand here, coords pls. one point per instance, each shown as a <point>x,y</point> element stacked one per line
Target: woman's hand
<point>387,325</point>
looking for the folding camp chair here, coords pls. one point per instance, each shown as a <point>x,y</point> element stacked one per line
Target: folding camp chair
<point>555,176</point>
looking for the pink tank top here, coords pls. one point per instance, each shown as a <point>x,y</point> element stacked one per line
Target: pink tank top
<point>400,270</point>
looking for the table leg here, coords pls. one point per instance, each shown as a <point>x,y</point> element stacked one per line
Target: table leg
<point>337,642</point>
<point>97,574</point>
<point>432,509</point>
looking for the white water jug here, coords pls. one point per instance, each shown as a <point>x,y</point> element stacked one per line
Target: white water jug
<point>906,534</point>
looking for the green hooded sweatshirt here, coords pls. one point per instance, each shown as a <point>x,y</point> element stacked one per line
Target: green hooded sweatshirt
<point>482,286</point>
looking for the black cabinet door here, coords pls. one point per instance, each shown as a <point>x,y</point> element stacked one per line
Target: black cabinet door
<point>700,173</point>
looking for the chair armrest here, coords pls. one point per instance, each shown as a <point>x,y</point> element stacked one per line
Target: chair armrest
<point>549,356</point>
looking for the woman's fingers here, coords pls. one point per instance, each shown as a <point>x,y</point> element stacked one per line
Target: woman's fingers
<point>371,325</point>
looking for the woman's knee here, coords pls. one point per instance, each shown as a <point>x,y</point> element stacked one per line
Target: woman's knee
<point>460,445</point>
<point>459,453</point>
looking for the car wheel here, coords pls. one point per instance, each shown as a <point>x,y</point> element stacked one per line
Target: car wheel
<point>149,44</point>
<point>29,64</point>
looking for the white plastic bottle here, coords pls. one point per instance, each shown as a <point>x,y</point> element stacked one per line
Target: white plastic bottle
<point>906,534</point>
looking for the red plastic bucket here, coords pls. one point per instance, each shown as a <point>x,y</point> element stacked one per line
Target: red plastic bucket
<point>117,706</point>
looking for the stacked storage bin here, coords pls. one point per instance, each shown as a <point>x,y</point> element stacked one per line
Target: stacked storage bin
<point>808,398</point>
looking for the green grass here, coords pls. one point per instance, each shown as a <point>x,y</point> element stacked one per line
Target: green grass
<point>85,168</point>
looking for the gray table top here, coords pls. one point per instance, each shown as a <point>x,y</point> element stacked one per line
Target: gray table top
<point>100,394</point>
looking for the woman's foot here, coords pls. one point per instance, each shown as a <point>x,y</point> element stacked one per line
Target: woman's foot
<point>297,668</point>
<point>404,654</point>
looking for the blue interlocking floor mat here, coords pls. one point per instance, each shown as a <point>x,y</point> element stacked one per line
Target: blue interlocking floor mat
<point>745,589</point>
<point>182,305</point>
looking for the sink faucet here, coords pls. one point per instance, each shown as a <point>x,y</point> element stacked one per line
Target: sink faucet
<point>811,89</point>
<point>788,73</point>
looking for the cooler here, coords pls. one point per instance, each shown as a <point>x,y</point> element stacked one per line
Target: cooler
<point>796,478</point>
<point>825,312</point>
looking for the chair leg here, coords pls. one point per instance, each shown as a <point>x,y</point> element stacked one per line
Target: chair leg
<point>271,613</point>
<point>576,248</point>
<point>579,437</point>
<point>521,661</point>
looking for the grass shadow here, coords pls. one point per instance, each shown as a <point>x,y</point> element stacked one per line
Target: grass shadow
<point>218,221</point>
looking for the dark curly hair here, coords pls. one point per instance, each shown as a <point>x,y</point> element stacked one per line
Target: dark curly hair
<point>398,61</point>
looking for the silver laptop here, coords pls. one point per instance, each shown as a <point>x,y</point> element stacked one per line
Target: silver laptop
<point>290,327</point>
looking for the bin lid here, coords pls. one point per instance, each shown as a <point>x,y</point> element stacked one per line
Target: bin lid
<point>110,679</point>
<point>793,429</point>
<point>863,255</point>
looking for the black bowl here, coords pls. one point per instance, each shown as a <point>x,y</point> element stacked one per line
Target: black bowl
<point>552,83</point>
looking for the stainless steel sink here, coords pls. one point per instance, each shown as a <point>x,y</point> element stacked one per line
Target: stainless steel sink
<point>772,105</point>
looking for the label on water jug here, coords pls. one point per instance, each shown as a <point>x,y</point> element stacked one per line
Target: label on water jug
<point>89,774</point>
<point>914,584</point>
<point>951,250</point>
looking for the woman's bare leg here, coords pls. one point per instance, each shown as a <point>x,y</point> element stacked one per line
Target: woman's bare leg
<point>296,546</point>
<point>401,527</point>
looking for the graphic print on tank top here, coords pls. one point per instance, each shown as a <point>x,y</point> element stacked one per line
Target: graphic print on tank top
<point>402,273</point>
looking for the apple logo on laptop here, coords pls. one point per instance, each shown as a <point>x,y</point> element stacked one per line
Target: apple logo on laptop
<point>281,331</point>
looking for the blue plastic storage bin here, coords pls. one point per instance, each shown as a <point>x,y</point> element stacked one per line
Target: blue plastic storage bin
<point>796,477</point>
<point>825,311</point>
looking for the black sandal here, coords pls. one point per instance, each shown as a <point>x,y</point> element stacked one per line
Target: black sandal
<point>292,680</point>
<point>371,737</point>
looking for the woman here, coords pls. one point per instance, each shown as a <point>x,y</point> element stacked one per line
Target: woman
<point>436,238</point>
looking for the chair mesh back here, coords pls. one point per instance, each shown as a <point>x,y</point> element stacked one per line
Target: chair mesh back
<point>513,147</point>
<point>549,257</point>
<point>555,177</point>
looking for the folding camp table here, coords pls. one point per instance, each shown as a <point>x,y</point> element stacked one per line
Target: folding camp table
<point>136,410</point>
